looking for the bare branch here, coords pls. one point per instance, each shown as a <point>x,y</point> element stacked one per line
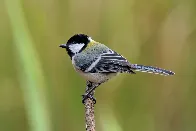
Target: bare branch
<point>89,110</point>
<point>89,115</point>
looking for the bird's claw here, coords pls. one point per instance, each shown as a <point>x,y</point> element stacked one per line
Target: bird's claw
<point>84,97</point>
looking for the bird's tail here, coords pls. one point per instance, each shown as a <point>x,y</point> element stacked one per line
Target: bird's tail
<point>151,69</point>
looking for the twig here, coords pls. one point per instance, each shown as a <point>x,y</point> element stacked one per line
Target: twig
<point>89,110</point>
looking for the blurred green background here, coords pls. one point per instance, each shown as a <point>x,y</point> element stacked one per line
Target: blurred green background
<point>40,91</point>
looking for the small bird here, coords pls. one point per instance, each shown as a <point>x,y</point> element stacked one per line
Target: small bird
<point>97,63</point>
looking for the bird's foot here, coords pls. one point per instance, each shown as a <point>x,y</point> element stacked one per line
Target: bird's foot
<point>85,96</point>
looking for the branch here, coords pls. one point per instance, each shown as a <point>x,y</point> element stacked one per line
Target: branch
<point>89,111</point>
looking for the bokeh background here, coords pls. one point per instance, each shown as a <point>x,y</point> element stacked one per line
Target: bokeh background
<point>40,91</point>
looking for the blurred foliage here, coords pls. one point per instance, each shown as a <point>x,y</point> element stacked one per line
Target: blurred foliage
<point>39,89</point>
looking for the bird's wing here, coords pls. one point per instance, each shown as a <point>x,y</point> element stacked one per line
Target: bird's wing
<point>110,62</point>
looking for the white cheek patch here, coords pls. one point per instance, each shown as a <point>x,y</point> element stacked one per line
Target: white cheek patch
<point>75,48</point>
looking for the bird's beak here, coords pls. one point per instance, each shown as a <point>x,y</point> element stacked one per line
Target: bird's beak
<point>63,45</point>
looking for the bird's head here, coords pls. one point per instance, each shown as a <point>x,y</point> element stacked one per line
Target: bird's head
<point>76,44</point>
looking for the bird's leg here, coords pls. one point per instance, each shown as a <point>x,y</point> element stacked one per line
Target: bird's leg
<point>88,96</point>
<point>90,91</point>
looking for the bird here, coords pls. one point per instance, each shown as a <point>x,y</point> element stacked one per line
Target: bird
<point>97,63</point>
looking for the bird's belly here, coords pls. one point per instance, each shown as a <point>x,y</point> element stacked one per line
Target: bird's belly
<point>98,77</point>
